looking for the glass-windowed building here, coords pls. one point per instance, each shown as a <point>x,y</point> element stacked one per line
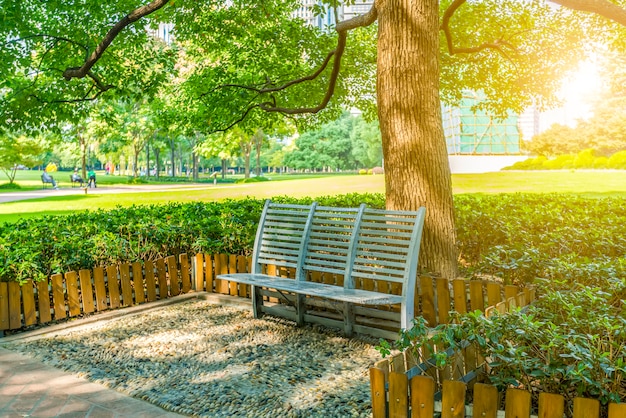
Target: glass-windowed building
<point>470,131</point>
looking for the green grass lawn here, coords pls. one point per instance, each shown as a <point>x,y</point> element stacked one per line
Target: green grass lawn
<point>589,183</point>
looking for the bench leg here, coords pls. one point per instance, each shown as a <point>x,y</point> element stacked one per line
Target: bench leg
<point>257,301</point>
<point>300,310</point>
<point>348,319</point>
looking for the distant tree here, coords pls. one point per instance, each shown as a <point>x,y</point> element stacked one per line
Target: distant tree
<point>367,149</point>
<point>556,140</point>
<point>16,151</point>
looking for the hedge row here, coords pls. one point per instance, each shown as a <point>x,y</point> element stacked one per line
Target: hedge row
<point>583,160</point>
<point>519,238</point>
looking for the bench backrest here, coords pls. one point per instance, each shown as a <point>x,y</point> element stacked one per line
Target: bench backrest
<point>356,243</point>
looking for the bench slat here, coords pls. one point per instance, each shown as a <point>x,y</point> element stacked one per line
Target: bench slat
<point>324,244</point>
<point>283,227</point>
<point>317,228</point>
<point>279,251</point>
<point>363,297</point>
<point>382,271</point>
<point>377,254</point>
<point>380,262</point>
<point>276,262</point>
<point>361,275</point>
<point>283,239</point>
<point>389,241</point>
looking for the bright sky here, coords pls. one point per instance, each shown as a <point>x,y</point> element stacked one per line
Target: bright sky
<point>578,93</point>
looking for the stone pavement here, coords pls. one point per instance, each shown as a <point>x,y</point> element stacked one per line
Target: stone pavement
<point>29,388</point>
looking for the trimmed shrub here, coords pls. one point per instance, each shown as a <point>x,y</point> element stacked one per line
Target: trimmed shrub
<point>617,160</point>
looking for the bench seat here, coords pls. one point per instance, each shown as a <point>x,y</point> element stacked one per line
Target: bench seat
<point>328,291</point>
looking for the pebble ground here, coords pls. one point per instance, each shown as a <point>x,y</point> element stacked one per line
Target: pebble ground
<point>200,359</point>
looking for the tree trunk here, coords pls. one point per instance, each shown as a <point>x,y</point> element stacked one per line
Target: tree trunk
<point>82,144</point>
<point>148,161</point>
<point>194,164</point>
<point>173,158</point>
<point>156,161</point>
<point>417,172</point>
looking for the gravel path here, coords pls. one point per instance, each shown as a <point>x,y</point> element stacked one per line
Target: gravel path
<point>208,360</point>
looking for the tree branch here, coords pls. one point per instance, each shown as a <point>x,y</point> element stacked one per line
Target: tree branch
<point>452,49</point>
<point>138,13</point>
<point>602,8</point>
<point>342,29</point>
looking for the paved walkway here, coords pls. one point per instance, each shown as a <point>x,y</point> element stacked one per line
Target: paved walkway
<point>30,388</point>
<point>114,189</point>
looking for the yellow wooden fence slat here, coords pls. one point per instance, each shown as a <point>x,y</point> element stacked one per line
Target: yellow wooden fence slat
<point>242,267</point>
<point>428,300</point>
<point>43,302</point>
<point>501,307</point>
<point>453,399</point>
<point>517,404</point>
<point>127,288</point>
<point>485,401</point>
<point>477,300</point>
<point>28,301</point>
<point>86,290</point>
<point>378,394</point>
<point>184,273</point>
<point>397,363</point>
<point>113,286</point>
<point>221,267</point>
<point>551,405</point>
<point>422,397</point>
<point>586,408</point>
<point>138,282</point>
<point>15,306</point>
<point>172,269</point>
<point>162,278</point>
<point>100,289</point>
<point>398,395</point>
<point>510,291</point>
<point>151,294</point>
<point>494,294</point>
<point>4,306</point>
<point>232,268</point>
<point>73,300</point>
<point>198,272</point>
<point>617,410</point>
<point>443,300</point>
<point>460,296</point>
<point>209,273</point>
<point>58,296</point>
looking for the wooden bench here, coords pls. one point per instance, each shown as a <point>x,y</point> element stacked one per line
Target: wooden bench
<point>44,183</point>
<point>77,182</point>
<point>357,245</point>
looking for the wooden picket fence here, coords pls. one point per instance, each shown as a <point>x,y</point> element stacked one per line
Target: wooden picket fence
<point>485,401</point>
<point>404,385</point>
<point>73,294</point>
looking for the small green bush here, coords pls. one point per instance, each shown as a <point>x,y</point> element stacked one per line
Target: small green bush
<point>252,180</point>
<point>618,160</point>
<point>362,171</point>
<point>10,186</point>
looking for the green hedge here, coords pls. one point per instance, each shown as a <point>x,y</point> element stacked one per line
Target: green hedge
<point>519,238</point>
<point>38,247</point>
<point>586,159</point>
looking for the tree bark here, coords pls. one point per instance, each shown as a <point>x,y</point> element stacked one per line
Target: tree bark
<point>417,171</point>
